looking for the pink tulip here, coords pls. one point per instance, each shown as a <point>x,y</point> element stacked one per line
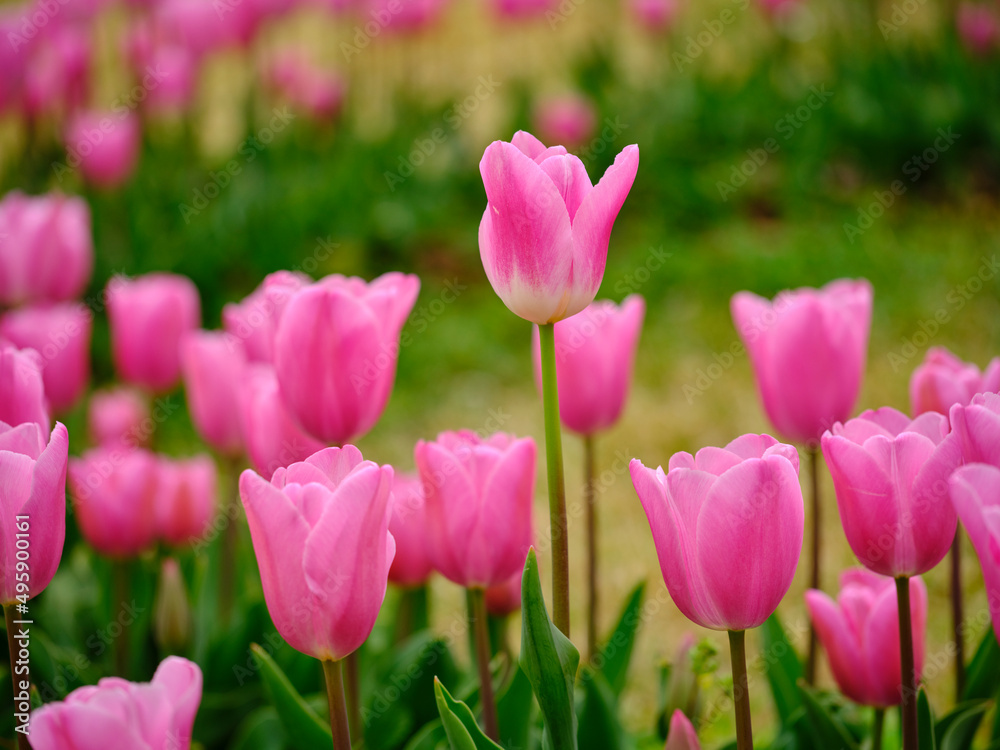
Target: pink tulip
<point>727,524</point>
<point>515,9</point>
<point>149,316</point>
<point>22,390</point>
<point>46,251</point>
<point>569,120</point>
<point>403,15</point>
<point>976,429</point>
<point>32,503</point>
<point>114,495</point>
<point>775,8</point>
<point>682,735</point>
<point>975,491</point>
<point>117,418</point>
<point>808,350</point>
<point>254,321</point>
<point>891,478</point>
<point>655,15</point>
<point>185,502</point>
<point>178,69</point>
<point>56,81</point>
<point>213,364</point>
<point>272,437</point>
<point>860,633</point>
<point>479,497</point>
<point>978,26</point>
<point>595,350</point>
<point>543,239</point>
<point>320,530</point>
<point>504,599</point>
<point>104,145</point>
<point>200,27</point>
<point>336,351</point>
<point>115,713</point>
<point>307,87</point>
<point>13,58</point>
<point>60,333</point>
<point>943,380</point>
<point>412,565</point>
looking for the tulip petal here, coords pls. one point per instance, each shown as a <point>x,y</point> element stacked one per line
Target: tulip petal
<point>571,179</point>
<point>841,645</point>
<point>505,520</point>
<point>47,509</point>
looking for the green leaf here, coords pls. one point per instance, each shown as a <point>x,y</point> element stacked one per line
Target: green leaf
<point>549,660</point>
<point>981,676</point>
<point>784,670</point>
<point>514,710</point>
<point>430,737</point>
<point>821,729</point>
<point>261,730</point>
<point>615,654</point>
<point>599,725</point>
<point>460,723</point>
<point>956,729</point>
<point>306,730</point>
<point>925,722</point>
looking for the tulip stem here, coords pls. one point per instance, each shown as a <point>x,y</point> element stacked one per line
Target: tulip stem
<point>478,621</point>
<point>814,582</point>
<point>353,694</point>
<point>741,689</point>
<point>123,642</point>
<point>877,730</point>
<point>10,614</point>
<point>339,724</point>
<point>956,613</point>
<point>909,686</point>
<point>556,480</point>
<point>588,494</point>
<point>230,539</point>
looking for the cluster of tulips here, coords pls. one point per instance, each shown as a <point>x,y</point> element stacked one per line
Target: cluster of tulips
<point>304,365</point>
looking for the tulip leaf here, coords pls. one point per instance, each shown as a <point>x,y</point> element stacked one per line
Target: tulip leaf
<point>515,705</point>
<point>549,660</point>
<point>599,725</point>
<point>306,730</point>
<point>956,729</point>
<point>925,722</point>
<point>981,676</point>
<point>430,737</point>
<point>260,730</point>
<point>615,654</point>
<point>822,729</point>
<point>460,723</point>
<point>784,670</point>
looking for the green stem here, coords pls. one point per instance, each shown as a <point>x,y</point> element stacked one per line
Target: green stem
<point>10,614</point>
<point>877,728</point>
<point>956,613</point>
<point>591,508</point>
<point>480,627</point>
<point>230,543</point>
<point>354,694</point>
<point>556,481</point>
<point>121,598</point>
<point>741,689</point>
<point>909,684</point>
<point>814,576</point>
<point>339,723</point>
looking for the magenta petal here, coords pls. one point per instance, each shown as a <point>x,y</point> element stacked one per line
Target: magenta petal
<point>842,647</point>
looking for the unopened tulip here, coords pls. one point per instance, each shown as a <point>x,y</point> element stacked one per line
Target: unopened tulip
<point>860,633</point>
<point>808,349</point>
<point>171,610</point>
<point>114,494</point>
<point>115,713</point>
<point>569,119</point>
<point>185,498</point>
<point>175,89</point>
<point>978,26</point>
<point>543,239</point>
<point>46,251</point>
<point>254,320</point>
<point>515,9</point>
<point>479,497</point>
<point>33,503</point>
<point>60,333</point>
<point>976,428</point>
<point>891,478</point>
<point>320,529</point>
<point>412,565</point>
<point>105,146</point>
<point>22,390</point>
<point>727,524</point>
<point>213,364</point>
<point>943,380</point>
<point>56,80</point>
<point>336,352</point>
<point>149,316</point>
<point>119,418</point>
<point>975,491</point>
<point>682,735</point>
<point>655,15</point>
<point>199,26</point>
<point>595,351</point>
<point>307,87</point>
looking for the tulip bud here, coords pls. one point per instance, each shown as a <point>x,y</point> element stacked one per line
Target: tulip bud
<point>975,491</point>
<point>569,120</point>
<point>22,390</point>
<point>105,145</point>
<point>186,498</point>
<point>408,524</point>
<point>213,364</point>
<point>117,418</point>
<point>172,611</point>
<point>943,380</point>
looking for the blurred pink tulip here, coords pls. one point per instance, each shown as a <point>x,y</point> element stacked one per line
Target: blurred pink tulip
<point>976,429</point>
<point>891,478</point>
<point>213,364</point>
<point>307,87</point>
<point>808,349</point>
<point>273,439</point>
<point>336,352</point>
<point>114,495</point>
<point>479,495</point>
<point>115,713</point>
<point>60,333</point>
<point>543,239</point>
<point>978,26</point>
<point>975,491</point>
<point>403,15</point>
<point>655,15</point>
<point>682,735</point>
<point>46,251</point>
<point>185,498</point>
<point>595,351</point>
<point>177,79</point>
<point>56,81</point>
<point>149,316</point>
<point>320,530</point>
<point>569,120</point>
<point>202,27</point>
<point>13,57</point>
<point>412,565</point>
<point>255,319</point>
<point>22,389</point>
<point>116,418</point>
<point>860,633</point>
<point>777,7</point>
<point>514,9</point>
<point>943,380</point>
<point>505,598</point>
<point>32,503</point>
<point>104,145</point>
<point>727,524</point>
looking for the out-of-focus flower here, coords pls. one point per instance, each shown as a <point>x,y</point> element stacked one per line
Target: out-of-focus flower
<point>412,565</point>
<point>307,87</point>
<point>569,119</point>
<point>117,418</point>
<point>978,26</point>
<point>655,15</point>
<point>185,498</point>
<point>975,491</point>
<point>104,145</point>
<point>213,364</point>
<point>943,380</point>
<point>22,390</point>
<point>56,80</point>
<point>255,319</point>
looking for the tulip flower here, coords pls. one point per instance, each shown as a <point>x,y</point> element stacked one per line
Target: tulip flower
<point>978,27</point>
<point>860,632</point>
<point>543,239</point>
<point>254,321</point>
<point>408,524</point>
<point>179,79</point>
<point>22,390</point>
<point>320,529</point>
<point>185,498</point>
<point>336,351</point>
<point>975,491</point>
<point>307,87</point>
<point>655,15</point>
<point>157,715</point>
<point>943,380</point>
<point>47,253</point>
<point>213,364</point>
<point>518,9</point>
<point>505,598</point>
<point>56,79</point>
<point>149,316</point>
<point>976,429</point>
<point>570,120</point>
<point>682,735</point>
<point>104,145</point>
<point>118,417</point>
<point>60,333</point>
<point>406,16</point>
<point>172,624</point>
